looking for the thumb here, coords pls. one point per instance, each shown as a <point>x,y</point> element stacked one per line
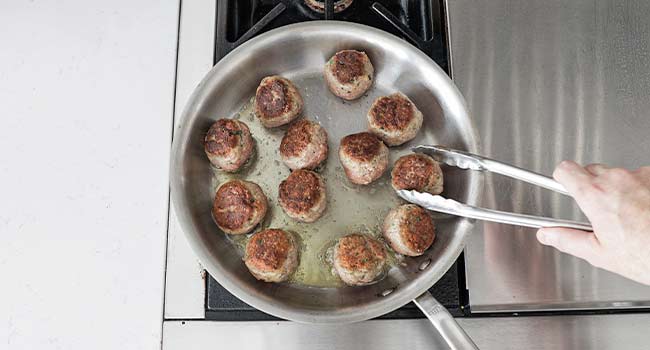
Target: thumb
<point>581,244</point>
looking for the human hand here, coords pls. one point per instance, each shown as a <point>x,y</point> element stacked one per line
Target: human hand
<point>617,202</point>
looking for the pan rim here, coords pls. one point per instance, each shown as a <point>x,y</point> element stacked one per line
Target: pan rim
<point>393,301</point>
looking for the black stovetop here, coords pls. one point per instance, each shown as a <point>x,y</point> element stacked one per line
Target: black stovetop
<point>419,22</point>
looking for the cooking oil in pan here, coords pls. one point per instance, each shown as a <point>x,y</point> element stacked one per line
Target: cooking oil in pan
<point>351,208</point>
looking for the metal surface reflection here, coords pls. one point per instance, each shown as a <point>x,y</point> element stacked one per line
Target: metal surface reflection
<point>547,81</point>
<point>622,331</point>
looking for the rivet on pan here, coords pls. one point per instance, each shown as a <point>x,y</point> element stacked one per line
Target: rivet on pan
<point>424,264</point>
<point>387,292</point>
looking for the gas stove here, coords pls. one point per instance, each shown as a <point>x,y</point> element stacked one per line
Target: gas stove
<point>522,67</point>
<point>420,23</point>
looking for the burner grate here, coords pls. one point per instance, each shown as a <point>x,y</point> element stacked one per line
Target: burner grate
<point>419,22</point>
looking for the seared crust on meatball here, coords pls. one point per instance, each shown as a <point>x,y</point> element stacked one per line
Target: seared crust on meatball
<point>359,259</point>
<point>277,101</point>
<point>364,157</point>
<point>228,144</point>
<point>239,206</point>
<point>417,172</point>
<point>272,255</point>
<point>304,146</point>
<point>349,74</point>
<point>409,230</point>
<point>302,195</point>
<point>394,118</point>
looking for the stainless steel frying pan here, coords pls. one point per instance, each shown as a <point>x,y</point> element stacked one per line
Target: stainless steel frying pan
<point>299,52</point>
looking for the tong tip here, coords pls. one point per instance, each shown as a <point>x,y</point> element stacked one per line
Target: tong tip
<point>451,157</point>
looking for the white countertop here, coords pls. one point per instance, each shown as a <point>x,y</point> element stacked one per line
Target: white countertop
<point>86,90</point>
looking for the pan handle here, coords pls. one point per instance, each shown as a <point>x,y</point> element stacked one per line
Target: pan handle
<point>444,323</point>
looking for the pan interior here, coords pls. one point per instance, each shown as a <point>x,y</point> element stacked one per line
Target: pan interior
<point>314,294</point>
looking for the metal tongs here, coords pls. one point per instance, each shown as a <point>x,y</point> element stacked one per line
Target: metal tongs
<point>470,161</point>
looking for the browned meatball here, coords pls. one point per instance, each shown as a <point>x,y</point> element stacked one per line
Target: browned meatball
<point>239,206</point>
<point>304,146</point>
<point>359,259</point>
<point>302,195</point>
<point>409,230</point>
<point>319,5</point>
<point>395,119</point>
<point>272,255</point>
<point>417,172</point>
<point>228,144</point>
<point>364,157</point>
<point>277,101</point>
<point>349,74</point>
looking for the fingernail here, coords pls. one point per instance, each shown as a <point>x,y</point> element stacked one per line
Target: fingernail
<point>542,237</point>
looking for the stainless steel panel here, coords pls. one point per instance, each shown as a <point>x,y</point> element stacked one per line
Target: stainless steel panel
<point>184,277</point>
<point>532,333</point>
<point>547,81</point>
